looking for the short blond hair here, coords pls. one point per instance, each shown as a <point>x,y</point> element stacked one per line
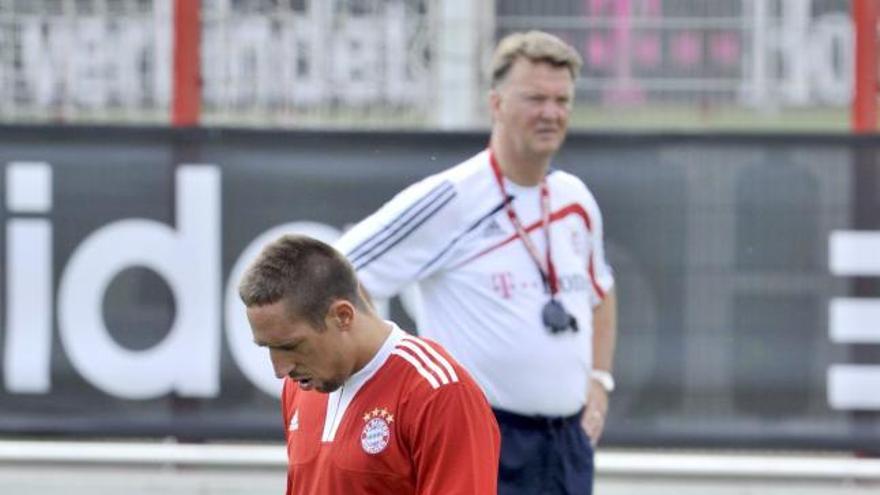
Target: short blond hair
<point>536,46</point>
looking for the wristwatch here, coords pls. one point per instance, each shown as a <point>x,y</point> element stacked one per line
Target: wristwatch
<point>604,378</point>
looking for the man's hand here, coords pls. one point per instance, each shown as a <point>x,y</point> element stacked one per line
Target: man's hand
<point>593,419</point>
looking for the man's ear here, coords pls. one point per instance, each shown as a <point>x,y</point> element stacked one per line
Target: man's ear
<point>341,314</point>
<point>494,102</point>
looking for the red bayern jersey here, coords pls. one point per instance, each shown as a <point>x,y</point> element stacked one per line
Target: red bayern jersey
<point>412,421</point>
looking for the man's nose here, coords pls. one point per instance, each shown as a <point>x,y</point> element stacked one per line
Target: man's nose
<point>552,109</point>
<point>281,365</point>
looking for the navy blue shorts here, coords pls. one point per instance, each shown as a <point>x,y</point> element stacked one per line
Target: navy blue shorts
<point>544,456</point>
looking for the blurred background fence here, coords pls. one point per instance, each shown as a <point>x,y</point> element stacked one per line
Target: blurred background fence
<point>366,64</point>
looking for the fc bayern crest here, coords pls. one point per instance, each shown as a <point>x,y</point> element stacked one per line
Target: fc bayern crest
<point>377,430</point>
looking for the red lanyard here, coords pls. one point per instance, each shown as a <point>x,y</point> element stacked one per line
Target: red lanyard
<point>548,273</point>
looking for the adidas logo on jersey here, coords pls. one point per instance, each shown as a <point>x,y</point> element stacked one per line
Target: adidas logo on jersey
<point>493,228</point>
<point>294,422</point>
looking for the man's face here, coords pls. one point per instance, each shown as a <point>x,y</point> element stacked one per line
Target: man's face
<point>532,106</point>
<point>316,358</point>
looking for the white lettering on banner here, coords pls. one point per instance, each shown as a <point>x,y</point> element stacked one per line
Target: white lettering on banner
<point>27,352</point>
<point>854,386</point>
<point>88,78</point>
<point>187,360</point>
<point>186,256</point>
<point>314,58</point>
<point>132,50</point>
<point>832,55</point>
<point>309,58</point>
<point>854,253</point>
<point>316,55</point>
<point>802,60</point>
<point>62,59</point>
<point>42,58</point>
<point>250,71</point>
<point>854,320</point>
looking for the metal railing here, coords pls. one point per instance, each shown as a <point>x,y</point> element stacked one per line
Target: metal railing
<point>830,466</point>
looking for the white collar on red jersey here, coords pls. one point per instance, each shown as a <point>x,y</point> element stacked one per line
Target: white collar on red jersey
<point>338,401</point>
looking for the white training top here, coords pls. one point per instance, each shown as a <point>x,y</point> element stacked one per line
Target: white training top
<point>482,293</point>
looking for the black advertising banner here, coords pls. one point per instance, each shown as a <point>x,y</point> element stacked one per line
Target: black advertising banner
<point>746,270</point>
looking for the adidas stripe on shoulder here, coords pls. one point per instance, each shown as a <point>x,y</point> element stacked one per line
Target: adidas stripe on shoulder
<point>429,363</point>
<point>402,226</point>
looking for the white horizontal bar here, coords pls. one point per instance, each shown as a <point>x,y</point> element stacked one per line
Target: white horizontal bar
<point>854,321</point>
<point>141,453</point>
<point>738,466</point>
<point>854,253</point>
<point>704,464</point>
<point>854,386</point>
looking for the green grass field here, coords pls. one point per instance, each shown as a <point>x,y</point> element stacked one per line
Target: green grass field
<point>715,119</point>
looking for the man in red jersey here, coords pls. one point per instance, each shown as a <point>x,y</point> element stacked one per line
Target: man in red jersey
<point>367,407</point>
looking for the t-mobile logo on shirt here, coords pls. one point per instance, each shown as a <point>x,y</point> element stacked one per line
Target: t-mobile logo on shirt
<point>503,283</point>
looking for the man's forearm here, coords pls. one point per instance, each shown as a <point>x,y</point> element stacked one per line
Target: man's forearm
<point>605,332</point>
